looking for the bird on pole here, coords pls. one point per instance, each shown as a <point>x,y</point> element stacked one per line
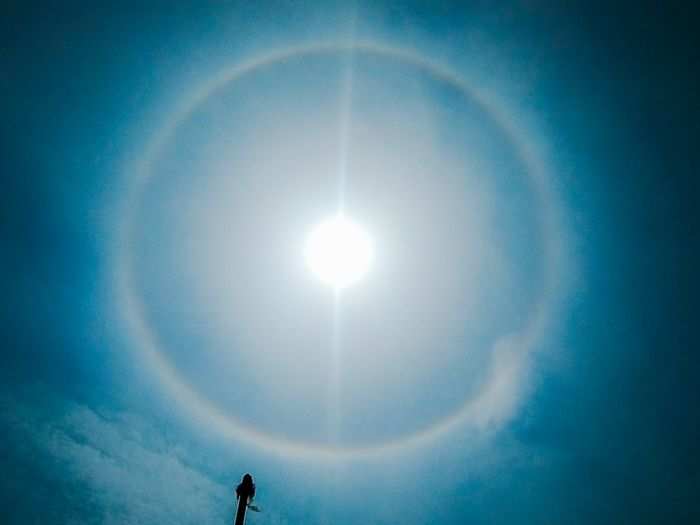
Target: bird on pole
<point>245,492</point>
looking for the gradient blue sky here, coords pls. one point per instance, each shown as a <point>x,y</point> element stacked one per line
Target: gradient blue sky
<point>605,427</point>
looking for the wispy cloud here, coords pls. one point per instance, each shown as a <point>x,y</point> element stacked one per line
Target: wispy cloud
<point>119,462</point>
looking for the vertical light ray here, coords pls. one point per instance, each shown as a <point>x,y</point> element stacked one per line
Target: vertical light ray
<point>344,127</point>
<point>334,380</point>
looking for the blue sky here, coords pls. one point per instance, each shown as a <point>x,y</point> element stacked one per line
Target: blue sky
<point>550,291</point>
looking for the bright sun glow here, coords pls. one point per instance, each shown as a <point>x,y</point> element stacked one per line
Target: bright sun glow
<point>339,252</point>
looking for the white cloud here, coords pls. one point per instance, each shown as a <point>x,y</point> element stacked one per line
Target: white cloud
<point>126,469</point>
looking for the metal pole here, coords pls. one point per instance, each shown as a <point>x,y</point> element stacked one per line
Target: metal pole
<point>244,492</point>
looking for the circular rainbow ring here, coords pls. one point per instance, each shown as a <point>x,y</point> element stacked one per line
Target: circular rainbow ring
<point>510,354</point>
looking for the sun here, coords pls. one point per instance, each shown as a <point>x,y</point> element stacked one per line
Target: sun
<point>339,252</point>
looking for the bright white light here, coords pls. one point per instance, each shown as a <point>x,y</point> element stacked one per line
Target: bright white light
<point>339,252</point>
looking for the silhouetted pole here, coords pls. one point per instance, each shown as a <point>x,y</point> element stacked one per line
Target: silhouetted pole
<point>245,491</point>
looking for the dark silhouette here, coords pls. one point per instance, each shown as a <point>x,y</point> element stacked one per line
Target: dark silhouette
<point>245,492</point>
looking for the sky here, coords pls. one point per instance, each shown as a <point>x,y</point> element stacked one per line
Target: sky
<point>522,349</point>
